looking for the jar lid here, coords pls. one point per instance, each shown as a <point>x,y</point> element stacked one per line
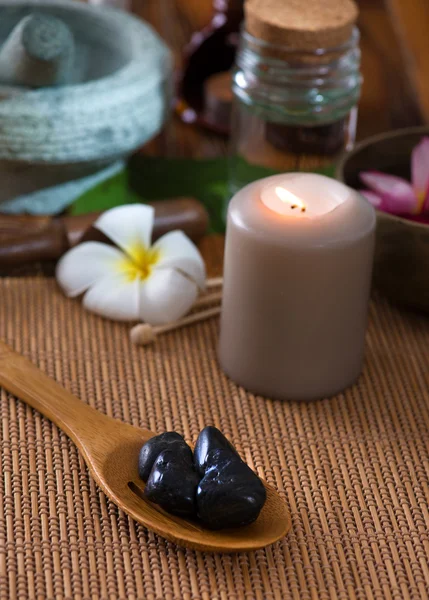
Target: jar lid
<point>300,25</point>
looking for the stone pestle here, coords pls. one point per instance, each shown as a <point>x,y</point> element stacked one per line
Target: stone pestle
<point>39,52</point>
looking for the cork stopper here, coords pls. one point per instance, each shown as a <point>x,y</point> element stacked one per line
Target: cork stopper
<point>305,25</point>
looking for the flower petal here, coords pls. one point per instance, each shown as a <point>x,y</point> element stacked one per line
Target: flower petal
<point>397,193</point>
<point>176,250</point>
<point>166,296</point>
<point>84,265</point>
<point>372,198</point>
<point>420,170</point>
<point>115,297</point>
<point>129,227</point>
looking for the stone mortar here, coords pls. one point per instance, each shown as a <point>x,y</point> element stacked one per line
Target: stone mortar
<point>118,99</point>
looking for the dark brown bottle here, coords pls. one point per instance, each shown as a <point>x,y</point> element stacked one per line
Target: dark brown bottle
<point>211,50</point>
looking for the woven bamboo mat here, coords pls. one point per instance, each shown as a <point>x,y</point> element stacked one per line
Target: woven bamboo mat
<point>354,469</point>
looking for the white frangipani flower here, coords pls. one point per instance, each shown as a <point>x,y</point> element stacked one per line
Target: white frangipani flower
<point>134,281</point>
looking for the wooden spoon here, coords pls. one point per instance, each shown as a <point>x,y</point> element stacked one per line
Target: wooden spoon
<point>110,448</point>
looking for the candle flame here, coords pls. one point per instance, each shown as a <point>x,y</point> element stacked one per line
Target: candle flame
<point>289,198</point>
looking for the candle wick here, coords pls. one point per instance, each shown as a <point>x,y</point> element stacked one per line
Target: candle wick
<point>293,206</point>
<point>303,209</point>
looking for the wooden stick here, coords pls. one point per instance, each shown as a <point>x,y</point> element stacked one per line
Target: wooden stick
<point>207,299</point>
<point>25,238</point>
<point>214,282</point>
<point>144,334</point>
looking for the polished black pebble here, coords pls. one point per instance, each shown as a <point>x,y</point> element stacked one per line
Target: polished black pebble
<point>153,448</point>
<point>210,439</point>
<point>173,483</point>
<point>230,493</point>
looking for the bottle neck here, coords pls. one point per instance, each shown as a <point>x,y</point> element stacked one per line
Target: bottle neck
<point>302,87</point>
<point>231,8</point>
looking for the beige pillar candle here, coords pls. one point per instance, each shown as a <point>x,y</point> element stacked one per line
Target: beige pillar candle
<point>298,262</point>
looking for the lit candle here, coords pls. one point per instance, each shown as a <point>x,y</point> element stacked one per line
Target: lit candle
<point>298,261</point>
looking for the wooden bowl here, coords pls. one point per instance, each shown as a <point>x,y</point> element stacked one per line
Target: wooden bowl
<point>402,248</point>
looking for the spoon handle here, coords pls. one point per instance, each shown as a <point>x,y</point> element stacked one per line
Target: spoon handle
<point>23,379</point>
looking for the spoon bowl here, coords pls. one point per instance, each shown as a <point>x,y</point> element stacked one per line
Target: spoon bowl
<point>111,448</point>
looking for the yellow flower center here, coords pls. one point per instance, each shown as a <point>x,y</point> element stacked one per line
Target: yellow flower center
<point>139,262</point>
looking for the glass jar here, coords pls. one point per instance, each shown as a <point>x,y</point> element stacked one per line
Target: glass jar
<point>293,110</point>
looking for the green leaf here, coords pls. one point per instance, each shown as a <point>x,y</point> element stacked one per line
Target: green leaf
<point>111,192</point>
<point>149,179</point>
<point>206,180</point>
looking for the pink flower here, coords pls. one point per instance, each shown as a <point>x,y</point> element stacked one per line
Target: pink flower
<point>395,195</point>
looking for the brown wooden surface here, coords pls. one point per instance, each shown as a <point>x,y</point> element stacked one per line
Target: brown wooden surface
<point>395,65</point>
